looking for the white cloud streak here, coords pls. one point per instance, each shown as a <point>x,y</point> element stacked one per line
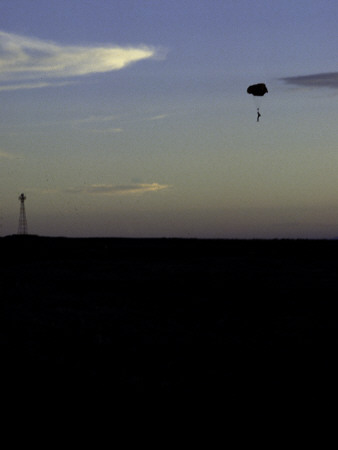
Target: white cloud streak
<point>96,119</point>
<point>16,87</point>
<point>159,117</point>
<point>98,124</point>
<point>27,59</point>
<point>120,189</point>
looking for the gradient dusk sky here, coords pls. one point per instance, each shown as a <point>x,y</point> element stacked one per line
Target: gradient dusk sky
<point>130,118</point>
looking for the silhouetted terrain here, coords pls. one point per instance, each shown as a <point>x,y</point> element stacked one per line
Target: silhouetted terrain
<point>241,318</point>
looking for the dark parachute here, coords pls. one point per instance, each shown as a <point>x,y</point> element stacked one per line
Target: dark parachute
<point>257,90</point>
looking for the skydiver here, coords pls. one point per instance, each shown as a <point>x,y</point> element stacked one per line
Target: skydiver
<point>258,114</point>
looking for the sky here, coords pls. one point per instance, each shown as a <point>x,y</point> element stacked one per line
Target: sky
<point>130,118</point>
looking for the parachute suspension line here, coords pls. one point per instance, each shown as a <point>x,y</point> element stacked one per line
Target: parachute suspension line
<point>257,101</point>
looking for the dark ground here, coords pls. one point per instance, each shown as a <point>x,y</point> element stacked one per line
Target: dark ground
<point>241,319</point>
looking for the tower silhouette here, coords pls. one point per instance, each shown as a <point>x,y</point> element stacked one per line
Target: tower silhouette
<point>23,229</point>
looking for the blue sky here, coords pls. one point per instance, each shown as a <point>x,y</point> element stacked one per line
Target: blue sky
<point>131,118</point>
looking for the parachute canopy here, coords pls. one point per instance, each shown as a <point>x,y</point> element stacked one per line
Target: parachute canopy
<point>258,90</point>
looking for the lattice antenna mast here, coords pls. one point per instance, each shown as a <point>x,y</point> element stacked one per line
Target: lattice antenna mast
<point>23,229</point>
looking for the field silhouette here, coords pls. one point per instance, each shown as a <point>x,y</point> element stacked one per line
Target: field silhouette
<point>245,318</point>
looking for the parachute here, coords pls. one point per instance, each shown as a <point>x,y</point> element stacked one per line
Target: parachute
<point>257,90</point>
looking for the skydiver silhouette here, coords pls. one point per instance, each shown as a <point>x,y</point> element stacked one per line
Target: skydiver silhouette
<point>258,114</point>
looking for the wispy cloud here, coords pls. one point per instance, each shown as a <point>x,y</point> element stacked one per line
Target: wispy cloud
<point>6,155</point>
<point>106,130</point>
<point>27,59</point>
<point>98,124</point>
<point>159,117</point>
<point>95,119</point>
<point>318,80</point>
<point>112,123</point>
<point>119,189</point>
<point>38,85</point>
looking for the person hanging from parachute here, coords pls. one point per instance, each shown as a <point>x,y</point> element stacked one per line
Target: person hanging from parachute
<point>257,90</point>
<point>258,114</point>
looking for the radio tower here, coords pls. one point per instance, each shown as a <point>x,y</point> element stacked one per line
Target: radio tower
<point>22,218</point>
